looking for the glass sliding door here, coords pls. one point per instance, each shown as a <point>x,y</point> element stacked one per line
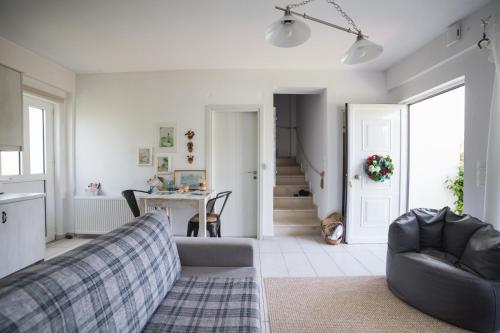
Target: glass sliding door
<point>436,151</point>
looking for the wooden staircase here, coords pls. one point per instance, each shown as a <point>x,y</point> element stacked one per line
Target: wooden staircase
<point>293,215</point>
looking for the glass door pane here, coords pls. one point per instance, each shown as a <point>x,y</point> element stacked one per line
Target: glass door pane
<point>37,140</point>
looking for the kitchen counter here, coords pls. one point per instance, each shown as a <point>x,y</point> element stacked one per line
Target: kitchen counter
<point>15,197</point>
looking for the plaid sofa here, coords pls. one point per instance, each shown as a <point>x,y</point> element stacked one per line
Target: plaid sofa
<point>129,280</point>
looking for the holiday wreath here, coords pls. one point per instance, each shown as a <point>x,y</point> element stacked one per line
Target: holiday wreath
<point>379,168</point>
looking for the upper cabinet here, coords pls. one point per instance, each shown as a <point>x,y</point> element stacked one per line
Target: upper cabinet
<point>11,109</point>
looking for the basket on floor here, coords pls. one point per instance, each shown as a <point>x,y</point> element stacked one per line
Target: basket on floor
<point>328,226</point>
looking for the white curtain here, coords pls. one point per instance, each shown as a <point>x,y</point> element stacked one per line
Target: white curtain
<point>492,202</point>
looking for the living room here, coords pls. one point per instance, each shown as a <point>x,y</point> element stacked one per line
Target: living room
<point>296,140</point>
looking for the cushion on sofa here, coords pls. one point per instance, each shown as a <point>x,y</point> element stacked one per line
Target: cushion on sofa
<point>482,253</point>
<point>431,223</point>
<point>457,231</point>
<point>201,304</point>
<point>404,234</point>
<point>111,284</point>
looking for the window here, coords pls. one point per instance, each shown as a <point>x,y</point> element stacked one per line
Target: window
<point>11,162</point>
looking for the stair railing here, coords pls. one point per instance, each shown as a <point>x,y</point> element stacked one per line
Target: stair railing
<point>321,174</point>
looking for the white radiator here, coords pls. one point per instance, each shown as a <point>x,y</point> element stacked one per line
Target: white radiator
<point>99,215</point>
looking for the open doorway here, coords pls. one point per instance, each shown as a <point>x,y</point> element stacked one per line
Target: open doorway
<point>436,151</point>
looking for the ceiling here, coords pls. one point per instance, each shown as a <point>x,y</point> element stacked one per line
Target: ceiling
<point>93,36</point>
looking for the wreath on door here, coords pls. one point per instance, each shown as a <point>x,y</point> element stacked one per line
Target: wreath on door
<point>379,168</point>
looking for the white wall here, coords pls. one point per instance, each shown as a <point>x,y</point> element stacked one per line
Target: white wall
<point>312,134</point>
<point>434,65</point>
<point>117,112</point>
<point>48,77</point>
<point>285,114</point>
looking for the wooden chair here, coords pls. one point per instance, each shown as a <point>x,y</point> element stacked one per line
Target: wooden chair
<point>213,218</point>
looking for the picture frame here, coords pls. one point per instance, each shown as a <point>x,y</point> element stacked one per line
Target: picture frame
<point>163,164</point>
<point>145,156</point>
<point>166,137</point>
<point>189,177</point>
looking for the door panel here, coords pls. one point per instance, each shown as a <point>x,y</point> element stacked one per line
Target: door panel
<point>372,206</point>
<point>235,159</point>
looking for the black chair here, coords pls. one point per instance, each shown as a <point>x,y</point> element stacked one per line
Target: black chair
<point>132,201</point>
<point>213,218</point>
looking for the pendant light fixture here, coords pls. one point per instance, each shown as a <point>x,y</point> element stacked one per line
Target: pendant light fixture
<point>290,31</point>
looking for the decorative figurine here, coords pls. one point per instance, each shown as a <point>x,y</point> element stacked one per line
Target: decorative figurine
<point>190,134</point>
<point>190,158</point>
<point>190,146</point>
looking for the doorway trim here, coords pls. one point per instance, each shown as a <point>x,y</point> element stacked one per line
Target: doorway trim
<point>210,110</point>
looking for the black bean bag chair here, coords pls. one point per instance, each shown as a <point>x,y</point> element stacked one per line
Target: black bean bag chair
<point>447,266</point>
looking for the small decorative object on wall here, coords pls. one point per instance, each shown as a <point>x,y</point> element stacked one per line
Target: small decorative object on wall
<point>192,178</point>
<point>145,156</point>
<point>167,137</point>
<point>163,164</point>
<point>189,134</point>
<point>379,168</point>
<point>190,146</point>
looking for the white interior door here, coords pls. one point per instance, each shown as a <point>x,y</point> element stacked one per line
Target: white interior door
<point>372,206</point>
<point>235,168</point>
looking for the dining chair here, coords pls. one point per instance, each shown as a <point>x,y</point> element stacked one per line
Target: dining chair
<point>213,217</point>
<point>132,201</point>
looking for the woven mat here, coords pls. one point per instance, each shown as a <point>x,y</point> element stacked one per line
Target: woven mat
<point>342,304</point>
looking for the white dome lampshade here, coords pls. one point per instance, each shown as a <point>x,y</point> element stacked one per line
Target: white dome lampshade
<point>361,51</point>
<point>288,31</point>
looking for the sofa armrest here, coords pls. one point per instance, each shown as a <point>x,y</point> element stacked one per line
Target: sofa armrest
<point>216,252</point>
<point>404,234</point>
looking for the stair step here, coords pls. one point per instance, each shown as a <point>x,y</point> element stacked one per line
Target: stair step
<point>288,190</point>
<point>293,203</point>
<point>295,221</point>
<point>285,230</point>
<point>281,161</point>
<point>283,215</point>
<point>289,170</point>
<point>291,180</point>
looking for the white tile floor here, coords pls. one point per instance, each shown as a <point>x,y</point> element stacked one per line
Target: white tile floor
<point>299,256</point>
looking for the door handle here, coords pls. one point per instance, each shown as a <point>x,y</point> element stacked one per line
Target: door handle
<point>4,217</point>
<point>252,172</point>
<point>357,177</point>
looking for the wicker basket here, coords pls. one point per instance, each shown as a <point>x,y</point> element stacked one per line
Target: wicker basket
<point>328,225</point>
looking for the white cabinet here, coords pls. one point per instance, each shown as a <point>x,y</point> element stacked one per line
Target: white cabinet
<point>22,234</point>
<point>11,109</point>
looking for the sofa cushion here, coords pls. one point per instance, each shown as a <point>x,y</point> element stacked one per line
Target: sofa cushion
<point>201,304</point>
<point>111,284</point>
<point>431,223</point>
<point>482,253</point>
<point>441,256</point>
<point>457,231</point>
<point>404,234</point>
<point>233,272</point>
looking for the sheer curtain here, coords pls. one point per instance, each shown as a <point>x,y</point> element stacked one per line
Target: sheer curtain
<point>492,202</point>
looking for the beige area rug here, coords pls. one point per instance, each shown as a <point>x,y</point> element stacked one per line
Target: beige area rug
<point>342,304</point>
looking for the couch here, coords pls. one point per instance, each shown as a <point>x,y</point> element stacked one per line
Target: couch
<point>447,266</point>
<point>137,278</point>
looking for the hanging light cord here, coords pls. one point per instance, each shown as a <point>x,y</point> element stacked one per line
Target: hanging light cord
<point>346,17</point>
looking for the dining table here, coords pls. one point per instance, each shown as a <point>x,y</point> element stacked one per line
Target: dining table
<point>172,199</point>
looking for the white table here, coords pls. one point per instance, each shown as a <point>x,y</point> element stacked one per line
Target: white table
<point>176,200</point>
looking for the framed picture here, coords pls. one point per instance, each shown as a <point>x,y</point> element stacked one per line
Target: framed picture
<point>145,156</point>
<point>163,164</point>
<point>189,177</point>
<point>167,137</point>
